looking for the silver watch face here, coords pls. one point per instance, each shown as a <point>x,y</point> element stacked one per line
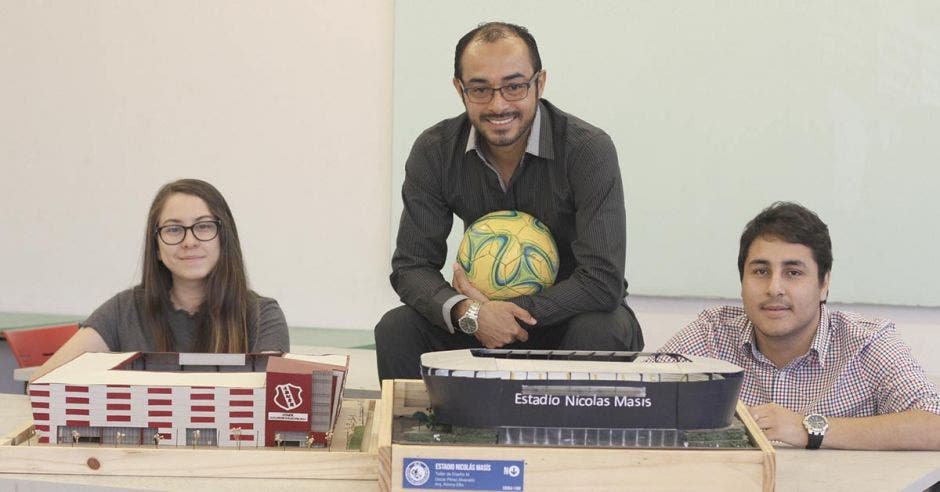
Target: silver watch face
<point>468,325</point>
<point>816,423</point>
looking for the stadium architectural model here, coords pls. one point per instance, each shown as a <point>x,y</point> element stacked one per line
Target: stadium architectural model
<point>580,389</point>
<point>170,399</point>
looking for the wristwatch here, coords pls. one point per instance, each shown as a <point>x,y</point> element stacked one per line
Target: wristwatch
<point>468,322</point>
<point>816,425</point>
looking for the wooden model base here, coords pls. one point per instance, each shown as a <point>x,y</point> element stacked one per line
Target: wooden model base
<point>557,468</point>
<point>19,455</point>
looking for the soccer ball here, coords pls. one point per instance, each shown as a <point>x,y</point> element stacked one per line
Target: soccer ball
<point>508,254</point>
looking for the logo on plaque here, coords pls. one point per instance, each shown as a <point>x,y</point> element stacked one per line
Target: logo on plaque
<point>417,473</point>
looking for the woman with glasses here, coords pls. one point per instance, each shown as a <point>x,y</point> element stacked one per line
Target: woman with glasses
<point>194,294</point>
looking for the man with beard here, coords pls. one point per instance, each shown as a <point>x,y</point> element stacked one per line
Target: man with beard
<point>510,150</point>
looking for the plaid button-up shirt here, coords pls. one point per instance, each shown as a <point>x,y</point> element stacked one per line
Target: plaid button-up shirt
<point>855,367</point>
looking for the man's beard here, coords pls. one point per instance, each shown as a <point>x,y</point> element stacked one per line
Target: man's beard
<point>502,139</point>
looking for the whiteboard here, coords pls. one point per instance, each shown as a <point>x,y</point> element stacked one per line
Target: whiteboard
<point>718,109</point>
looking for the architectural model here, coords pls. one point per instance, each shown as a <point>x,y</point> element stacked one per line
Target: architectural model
<point>186,399</point>
<point>580,389</point>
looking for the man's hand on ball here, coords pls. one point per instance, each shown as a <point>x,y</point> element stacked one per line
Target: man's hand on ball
<point>498,321</point>
<point>499,324</point>
<point>463,285</point>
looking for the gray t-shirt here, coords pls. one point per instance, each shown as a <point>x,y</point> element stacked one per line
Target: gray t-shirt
<point>118,323</point>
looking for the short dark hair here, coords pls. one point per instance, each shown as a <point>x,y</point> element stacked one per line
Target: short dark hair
<point>491,32</point>
<point>793,223</point>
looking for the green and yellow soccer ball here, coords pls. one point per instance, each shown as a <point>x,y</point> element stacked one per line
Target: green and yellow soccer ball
<point>508,254</point>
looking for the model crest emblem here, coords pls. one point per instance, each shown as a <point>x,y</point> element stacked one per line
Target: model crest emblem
<point>287,396</point>
<point>417,473</point>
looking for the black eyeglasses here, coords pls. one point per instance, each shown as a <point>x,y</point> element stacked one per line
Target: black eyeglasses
<point>515,91</point>
<point>174,234</point>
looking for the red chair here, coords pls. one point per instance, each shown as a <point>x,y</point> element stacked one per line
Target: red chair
<point>33,346</point>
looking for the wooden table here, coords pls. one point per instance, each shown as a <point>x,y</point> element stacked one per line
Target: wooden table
<point>797,469</point>
<point>16,471</point>
<point>831,470</point>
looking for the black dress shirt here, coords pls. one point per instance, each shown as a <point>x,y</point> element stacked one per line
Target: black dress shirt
<point>573,186</point>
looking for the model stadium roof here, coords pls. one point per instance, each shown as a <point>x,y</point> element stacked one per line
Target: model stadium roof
<point>561,361</point>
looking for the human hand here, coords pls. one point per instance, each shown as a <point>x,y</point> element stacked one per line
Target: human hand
<point>780,424</point>
<point>498,324</point>
<point>464,286</point>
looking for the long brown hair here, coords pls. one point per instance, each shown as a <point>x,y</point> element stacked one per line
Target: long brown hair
<point>227,305</point>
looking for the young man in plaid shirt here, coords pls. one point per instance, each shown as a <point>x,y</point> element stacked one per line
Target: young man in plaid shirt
<point>813,376</point>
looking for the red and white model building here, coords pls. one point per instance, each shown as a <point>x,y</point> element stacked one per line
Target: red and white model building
<point>170,399</point>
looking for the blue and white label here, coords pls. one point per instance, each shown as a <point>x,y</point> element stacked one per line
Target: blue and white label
<point>417,473</point>
<point>424,473</point>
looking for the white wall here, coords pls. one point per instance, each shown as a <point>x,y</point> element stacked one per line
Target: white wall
<point>285,106</point>
<point>718,109</point>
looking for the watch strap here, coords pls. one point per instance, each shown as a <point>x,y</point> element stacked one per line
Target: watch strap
<point>815,441</point>
<point>816,427</point>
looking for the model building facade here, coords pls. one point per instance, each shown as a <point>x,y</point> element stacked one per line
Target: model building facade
<point>566,388</point>
<point>169,399</point>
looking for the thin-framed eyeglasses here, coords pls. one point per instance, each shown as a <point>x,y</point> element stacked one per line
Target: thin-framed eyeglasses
<point>515,91</point>
<point>174,234</point>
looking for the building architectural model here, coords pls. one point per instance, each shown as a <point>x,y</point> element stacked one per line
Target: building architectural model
<point>580,389</point>
<point>186,399</point>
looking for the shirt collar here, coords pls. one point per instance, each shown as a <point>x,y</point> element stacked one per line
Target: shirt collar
<point>533,144</point>
<point>821,341</point>
<point>819,346</point>
<point>746,336</point>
